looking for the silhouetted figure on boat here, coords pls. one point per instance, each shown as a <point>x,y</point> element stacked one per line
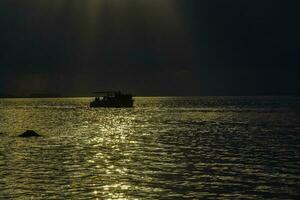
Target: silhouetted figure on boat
<point>113,99</point>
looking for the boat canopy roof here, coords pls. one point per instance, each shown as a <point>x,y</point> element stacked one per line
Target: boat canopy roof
<point>107,93</point>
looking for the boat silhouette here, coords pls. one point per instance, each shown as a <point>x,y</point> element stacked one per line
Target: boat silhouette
<point>112,99</point>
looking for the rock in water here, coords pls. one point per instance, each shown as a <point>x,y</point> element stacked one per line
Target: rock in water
<point>29,133</point>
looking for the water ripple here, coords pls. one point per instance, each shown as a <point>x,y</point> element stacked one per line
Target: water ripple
<point>165,148</point>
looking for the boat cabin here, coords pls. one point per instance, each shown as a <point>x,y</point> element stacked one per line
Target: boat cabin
<point>112,99</point>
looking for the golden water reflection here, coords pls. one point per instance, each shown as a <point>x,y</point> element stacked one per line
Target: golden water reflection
<point>166,147</point>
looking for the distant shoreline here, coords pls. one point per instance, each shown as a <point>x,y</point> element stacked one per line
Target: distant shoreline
<point>91,96</point>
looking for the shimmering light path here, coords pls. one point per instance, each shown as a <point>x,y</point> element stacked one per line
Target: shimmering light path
<point>169,148</point>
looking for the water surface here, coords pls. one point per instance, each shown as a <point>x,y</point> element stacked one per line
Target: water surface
<point>164,148</point>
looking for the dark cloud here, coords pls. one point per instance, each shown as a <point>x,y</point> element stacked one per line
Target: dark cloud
<point>189,47</point>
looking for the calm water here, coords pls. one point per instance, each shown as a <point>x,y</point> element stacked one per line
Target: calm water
<point>164,148</point>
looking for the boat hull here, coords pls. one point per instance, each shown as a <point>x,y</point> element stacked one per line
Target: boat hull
<point>112,104</point>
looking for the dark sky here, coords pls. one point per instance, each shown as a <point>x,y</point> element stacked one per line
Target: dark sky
<point>150,47</point>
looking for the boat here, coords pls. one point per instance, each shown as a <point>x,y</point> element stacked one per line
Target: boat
<point>112,100</point>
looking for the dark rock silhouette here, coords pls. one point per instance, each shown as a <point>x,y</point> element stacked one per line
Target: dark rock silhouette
<point>29,133</point>
<point>1,133</point>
